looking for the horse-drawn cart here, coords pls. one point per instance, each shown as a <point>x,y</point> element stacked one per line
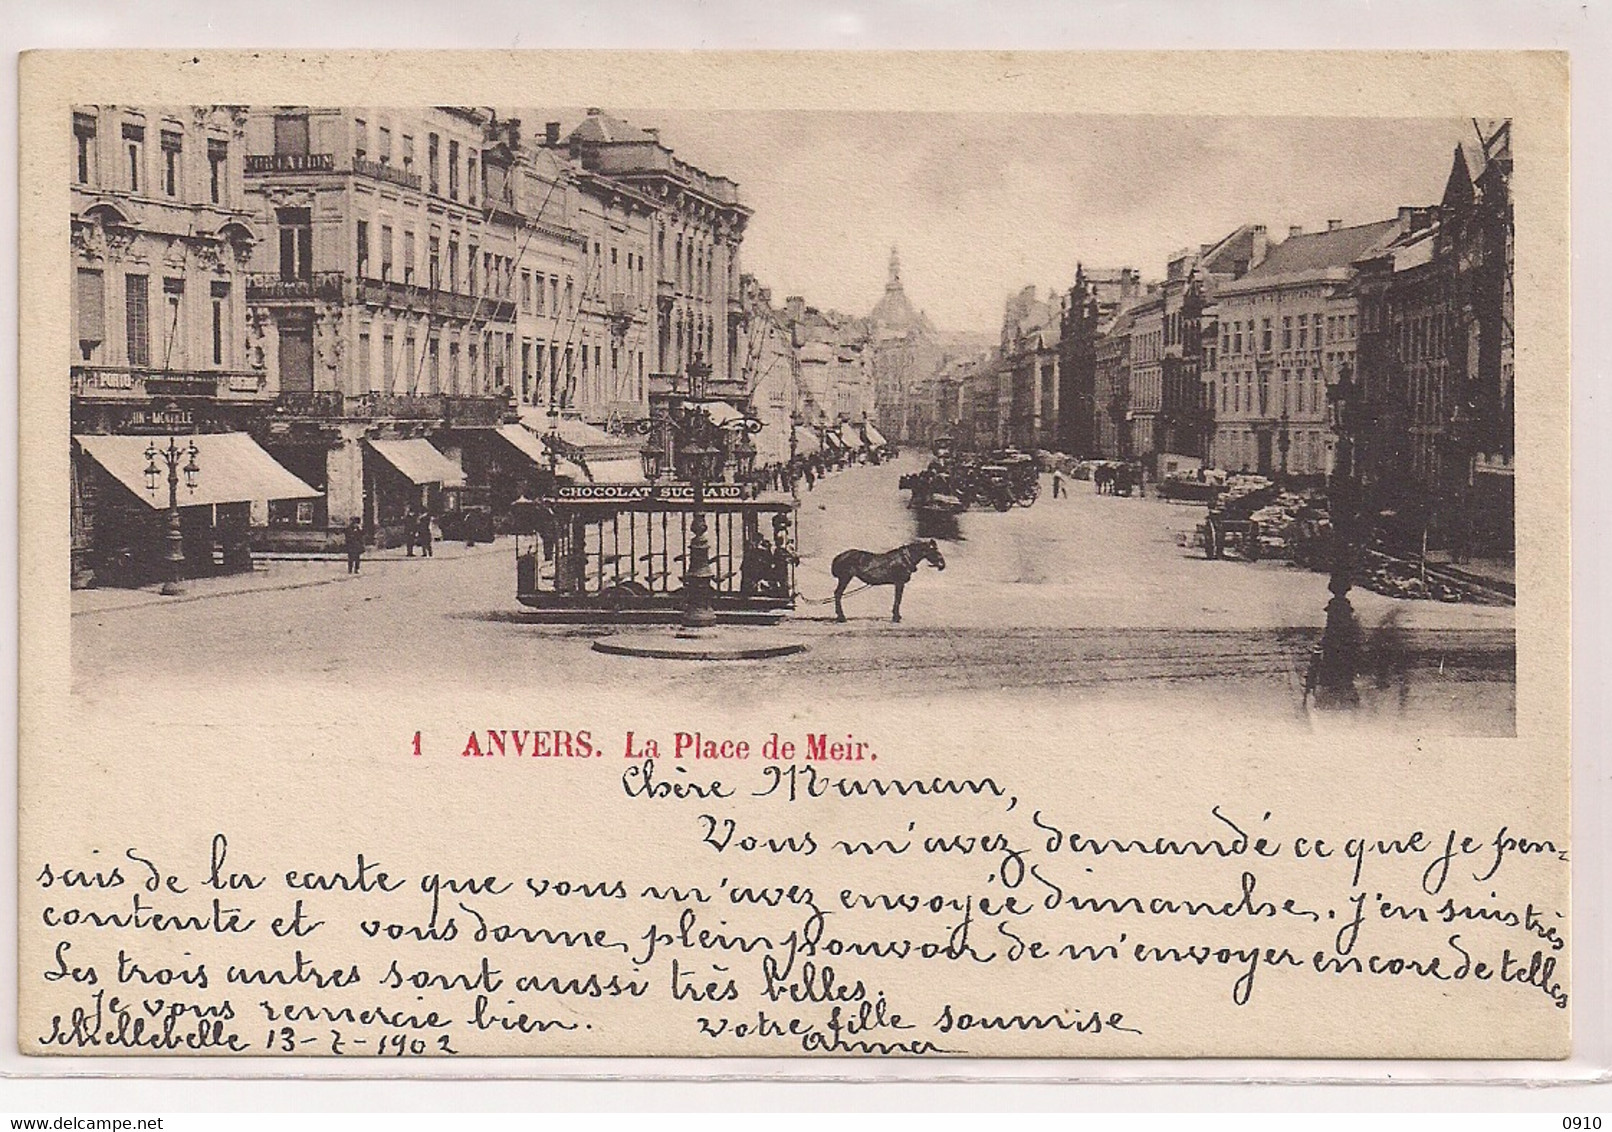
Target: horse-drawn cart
<point>619,547</point>
<point>1230,526</point>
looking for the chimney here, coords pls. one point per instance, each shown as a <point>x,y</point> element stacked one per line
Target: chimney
<point>1295,230</point>
<point>796,306</point>
<point>1259,244</point>
<point>1334,225</point>
<point>551,133</point>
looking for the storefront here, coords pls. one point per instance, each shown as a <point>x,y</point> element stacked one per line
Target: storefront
<point>120,486</point>
<point>403,479</point>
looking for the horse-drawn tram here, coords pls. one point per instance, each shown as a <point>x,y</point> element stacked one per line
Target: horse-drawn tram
<point>624,547</point>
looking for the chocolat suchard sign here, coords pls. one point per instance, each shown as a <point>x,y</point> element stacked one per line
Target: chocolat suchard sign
<point>647,492</point>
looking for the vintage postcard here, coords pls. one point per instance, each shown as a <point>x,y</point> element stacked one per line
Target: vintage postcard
<point>761,556</point>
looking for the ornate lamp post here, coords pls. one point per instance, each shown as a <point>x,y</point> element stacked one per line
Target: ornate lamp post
<point>1338,658</point>
<point>795,421</point>
<point>692,444</point>
<point>703,460</point>
<point>171,456</point>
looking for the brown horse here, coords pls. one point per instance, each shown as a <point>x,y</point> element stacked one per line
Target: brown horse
<point>892,568</point>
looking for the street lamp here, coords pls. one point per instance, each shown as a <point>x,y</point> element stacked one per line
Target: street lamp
<point>795,422</point>
<point>702,459</point>
<point>1338,657</point>
<point>171,456</point>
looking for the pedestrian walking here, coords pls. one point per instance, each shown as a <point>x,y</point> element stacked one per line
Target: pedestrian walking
<point>410,522</point>
<point>1057,483</point>
<point>422,534</point>
<point>354,539</point>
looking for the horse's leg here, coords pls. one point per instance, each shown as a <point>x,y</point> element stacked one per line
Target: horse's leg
<point>895,610</point>
<point>839,612</point>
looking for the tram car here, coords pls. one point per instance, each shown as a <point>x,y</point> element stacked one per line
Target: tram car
<point>622,547</point>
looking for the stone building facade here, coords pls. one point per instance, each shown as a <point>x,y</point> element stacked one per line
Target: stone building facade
<point>162,239</point>
<point>381,305</point>
<point>1287,330</point>
<point>1434,367</point>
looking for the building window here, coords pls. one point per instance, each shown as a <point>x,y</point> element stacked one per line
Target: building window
<point>296,243</point>
<point>554,294</point>
<point>363,360</point>
<point>172,167</point>
<point>408,257</point>
<point>137,319</point>
<point>526,292</point>
<point>453,366</point>
<point>360,139</point>
<point>431,143</point>
<point>291,135</point>
<point>386,251</point>
<point>84,141</point>
<point>411,372</point>
<point>363,249</point>
<point>221,342</point>
<point>1265,336</point>
<point>408,153</point>
<point>217,170</point>
<point>470,177</point>
<point>383,145</point>
<point>173,343</point>
<point>434,263</point>
<point>453,169</point>
<point>388,376</point>
<point>134,145</point>
<point>433,364</point>
<point>453,264</point>
<point>91,312</point>
<point>1287,332</point>
<point>470,269</point>
<point>570,296</point>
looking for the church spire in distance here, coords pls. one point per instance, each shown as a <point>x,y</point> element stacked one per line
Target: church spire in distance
<point>894,310</point>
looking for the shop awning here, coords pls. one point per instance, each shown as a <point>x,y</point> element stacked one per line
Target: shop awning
<point>833,439</point>
<point>592,440</point>
<point>807,442</point>
<point>875,437</point>
<point>232,469</point>
<point>419,461</point>
<point>721,413</point>
<point>532,448</point>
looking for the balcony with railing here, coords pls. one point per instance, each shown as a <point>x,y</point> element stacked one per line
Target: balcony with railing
<point>463,410</point>
<point>381,171</point>
<point>133,383</point>
<point>420,299</point>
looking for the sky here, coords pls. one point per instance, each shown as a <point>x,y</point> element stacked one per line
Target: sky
<point>981,205</point>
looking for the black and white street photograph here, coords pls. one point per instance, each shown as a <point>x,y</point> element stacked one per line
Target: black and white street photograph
<point>860,405</point>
